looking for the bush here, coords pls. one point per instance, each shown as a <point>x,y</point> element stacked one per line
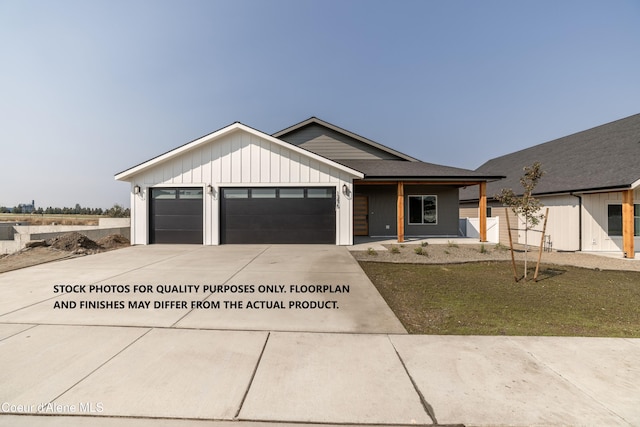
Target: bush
<point>371,251</point>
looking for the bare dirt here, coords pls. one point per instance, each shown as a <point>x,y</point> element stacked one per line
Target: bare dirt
<point>453,253</point>
<point>68,245</point>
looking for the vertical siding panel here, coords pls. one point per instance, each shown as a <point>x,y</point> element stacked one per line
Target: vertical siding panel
<point>255,159</point>
<point>225,160</point>
<point>206,164</point>
<point>265,161</point>
<point>197,165</point>
<point>285,163</point>
<point>216,164</point>
<point>236,158</point>
<point>246,157</point>
<point>304,169</point>
<point>294,168</point>
<point>275,163</point>
<point>314,174</point>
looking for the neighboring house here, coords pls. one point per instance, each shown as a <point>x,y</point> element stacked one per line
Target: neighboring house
<point>591,186</point>
<point>310,183</point>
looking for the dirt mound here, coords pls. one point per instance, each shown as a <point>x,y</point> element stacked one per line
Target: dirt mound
<point>113,241</point>
<point>74,242</point>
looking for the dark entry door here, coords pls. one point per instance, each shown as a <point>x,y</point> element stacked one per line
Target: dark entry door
<point>175,215</point>
<point>361,216</point>
<point>278,215</point>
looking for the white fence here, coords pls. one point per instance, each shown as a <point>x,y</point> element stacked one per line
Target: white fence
<point>470,227</point>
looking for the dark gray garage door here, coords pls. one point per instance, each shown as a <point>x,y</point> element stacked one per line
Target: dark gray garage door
<point>278,215</point>
<point>175,215</point>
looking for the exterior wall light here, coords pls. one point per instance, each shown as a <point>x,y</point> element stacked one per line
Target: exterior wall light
<point>346,191</point>
<point>136,189</point>
<point>210,189</point>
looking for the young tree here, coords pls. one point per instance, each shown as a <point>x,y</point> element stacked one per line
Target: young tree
<point>525,206</point>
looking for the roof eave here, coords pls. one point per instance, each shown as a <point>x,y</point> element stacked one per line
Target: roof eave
<point>124,175</point>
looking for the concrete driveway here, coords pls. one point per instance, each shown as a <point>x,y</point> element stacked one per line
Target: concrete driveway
<point>262,287</point>
<point>256,367</point>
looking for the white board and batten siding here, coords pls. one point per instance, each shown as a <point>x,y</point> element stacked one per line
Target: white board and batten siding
<point>595,222</point>
<point>239,159</point>
<point>563,224</point>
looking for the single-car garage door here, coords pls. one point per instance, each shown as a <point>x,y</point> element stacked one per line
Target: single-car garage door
<point>278,215</point>
<point>175,215</point>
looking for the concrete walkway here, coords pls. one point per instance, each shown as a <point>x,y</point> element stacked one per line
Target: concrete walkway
<point>350,365</point>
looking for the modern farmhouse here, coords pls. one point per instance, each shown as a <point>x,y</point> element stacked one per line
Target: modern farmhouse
<point>591,187</point>
<point>312,182</point>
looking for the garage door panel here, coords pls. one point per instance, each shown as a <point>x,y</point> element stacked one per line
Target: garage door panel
<point>278,220</point>
<point>178,222</point>
<point>173,219</point>
<point>178,207</point>
<point>178,236</point>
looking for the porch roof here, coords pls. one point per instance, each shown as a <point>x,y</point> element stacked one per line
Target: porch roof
<point>415,171</point>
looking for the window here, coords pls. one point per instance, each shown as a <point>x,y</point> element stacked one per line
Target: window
<point>190,193</point>
<point>319,193</point>
<point>423,209</point>
<point>292,193</point>
<point>236,193</point>
<point>161,193</point>
<point>263,193</point>
<point>614,220</point>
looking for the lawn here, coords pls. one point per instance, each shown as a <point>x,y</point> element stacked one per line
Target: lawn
<point>482,299</point>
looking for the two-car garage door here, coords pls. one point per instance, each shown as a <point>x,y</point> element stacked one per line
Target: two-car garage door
<point>247,215</point>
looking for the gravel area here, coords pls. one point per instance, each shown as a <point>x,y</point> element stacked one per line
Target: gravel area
<point>460,253</point>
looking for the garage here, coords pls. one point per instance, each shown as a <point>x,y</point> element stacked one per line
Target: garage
<point>278,215</point>
<point>175,215</point>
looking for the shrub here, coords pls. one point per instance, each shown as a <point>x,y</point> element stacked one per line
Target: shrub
<point>395,250</point>
<point>420,251</point>
<point>371,251</point>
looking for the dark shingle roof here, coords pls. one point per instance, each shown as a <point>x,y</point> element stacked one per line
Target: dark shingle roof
<point>388,169</point>
<point>604,157</point>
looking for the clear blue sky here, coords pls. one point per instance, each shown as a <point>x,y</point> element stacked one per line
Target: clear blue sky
<point>91,88</point>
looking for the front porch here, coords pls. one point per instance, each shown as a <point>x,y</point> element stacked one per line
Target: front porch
<point>374,213</point>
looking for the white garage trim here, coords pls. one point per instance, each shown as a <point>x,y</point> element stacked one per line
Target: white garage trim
<point>237,156</point>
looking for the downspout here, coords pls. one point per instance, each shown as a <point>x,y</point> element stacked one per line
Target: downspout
<point>579,220</point>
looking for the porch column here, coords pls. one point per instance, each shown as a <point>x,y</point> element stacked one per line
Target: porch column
<point>627,224</point>
<point>400,212</point>
<point>482,205</point>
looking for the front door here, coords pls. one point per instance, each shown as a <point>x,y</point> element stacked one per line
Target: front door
<point>361,216</point>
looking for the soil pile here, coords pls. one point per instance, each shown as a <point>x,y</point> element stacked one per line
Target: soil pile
<point>74,242</point>
<point>113,241</point>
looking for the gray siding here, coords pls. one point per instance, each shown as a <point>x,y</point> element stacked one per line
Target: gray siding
<point>382,208</point>
<point>334,145</point>
<point>447,211</point>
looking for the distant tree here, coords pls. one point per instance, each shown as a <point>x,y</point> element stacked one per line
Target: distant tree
<point>526,206</point>
<point>117,211</point>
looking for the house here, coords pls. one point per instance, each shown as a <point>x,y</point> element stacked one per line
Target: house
<point>591,187</point>
<point>312,182</point>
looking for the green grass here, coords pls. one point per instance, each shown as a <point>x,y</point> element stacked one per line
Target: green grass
<point>483,299</point>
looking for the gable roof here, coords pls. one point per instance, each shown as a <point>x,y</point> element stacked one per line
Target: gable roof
<point>362,139</point>
<point>606,157</point>
<point>234,127</point>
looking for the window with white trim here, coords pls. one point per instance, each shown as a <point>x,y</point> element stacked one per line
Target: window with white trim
<point>423,210</point>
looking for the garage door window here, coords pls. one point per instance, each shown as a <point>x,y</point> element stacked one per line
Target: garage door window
<point>319,193</point>
<point>160,193</point>
<point>292,193</point>
<point>236,193</point>
<point>263,193</point>
<point>190,193</point>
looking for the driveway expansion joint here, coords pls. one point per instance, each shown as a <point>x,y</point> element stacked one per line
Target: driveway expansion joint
<point>426,405</point>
